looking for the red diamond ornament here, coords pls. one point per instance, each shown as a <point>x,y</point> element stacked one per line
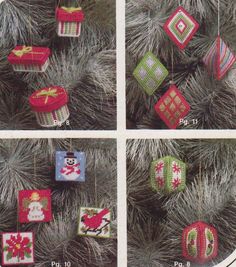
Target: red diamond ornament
<point>181,27</point>
<point>172,107</point>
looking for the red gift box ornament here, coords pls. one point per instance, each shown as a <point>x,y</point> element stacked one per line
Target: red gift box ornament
<point>29,58</point>
<point>199,242</point>
<point>69,21</point>
<point>50,106</point>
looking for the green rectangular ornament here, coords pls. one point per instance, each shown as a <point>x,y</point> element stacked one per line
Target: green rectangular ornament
<point>168,175</point>
<point>150,73</point>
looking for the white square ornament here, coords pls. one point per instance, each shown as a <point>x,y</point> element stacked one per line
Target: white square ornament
<point>17,248</point>
<point>94,222</point>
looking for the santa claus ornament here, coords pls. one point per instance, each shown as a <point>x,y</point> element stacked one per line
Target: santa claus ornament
<point>168,175</point>
<point>199,242</point>
<point>35,206</point>
<point>219,59</point>
<point>70,166</point>
<point>17,248</point>
<point>50,106</point>
<point>69,21</point>
<point>150,73</point>
<point>94,222</point>
<point>29,58</point>
<point>172,107</point>
<point>181,27</point>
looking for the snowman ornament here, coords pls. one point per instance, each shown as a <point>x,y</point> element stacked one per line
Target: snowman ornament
<point>71,169</point>
<point>35,209</point>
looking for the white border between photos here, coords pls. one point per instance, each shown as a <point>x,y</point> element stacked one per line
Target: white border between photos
<point>122,135</point>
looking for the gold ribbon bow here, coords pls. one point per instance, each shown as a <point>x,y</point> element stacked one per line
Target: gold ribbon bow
<point>23,51</point>
<point>71,9</point>
<point>50,92</point>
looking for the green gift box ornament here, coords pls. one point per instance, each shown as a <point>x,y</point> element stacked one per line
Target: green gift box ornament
<point>168,175</point>
<point>150,73</point>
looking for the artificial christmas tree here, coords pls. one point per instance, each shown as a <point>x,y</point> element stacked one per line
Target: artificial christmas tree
<point>194,227</point>
<point>27,165</point>
<point>181,35</point>
<point>85,67</point>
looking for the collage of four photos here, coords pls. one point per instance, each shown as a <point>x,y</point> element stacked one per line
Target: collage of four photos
<point>68,196</point>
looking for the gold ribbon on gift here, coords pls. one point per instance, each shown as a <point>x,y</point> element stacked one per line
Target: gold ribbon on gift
<point>71,9</point>
<point>50,92</point>
<point>25,50</point>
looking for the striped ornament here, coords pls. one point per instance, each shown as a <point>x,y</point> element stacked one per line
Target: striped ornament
<point>69,29</point>
<point>219,59</point>
<point>53,118</point>
<point>181,27</point>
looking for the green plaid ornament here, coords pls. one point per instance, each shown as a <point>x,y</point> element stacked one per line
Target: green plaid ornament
<point>150,73</point>
<point>168,175</point>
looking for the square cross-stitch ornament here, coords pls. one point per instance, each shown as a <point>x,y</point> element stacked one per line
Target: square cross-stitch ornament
<point>172,107</point>
<point>17,248</point>
<point>168,175</point>
<point>94,222</point>
<point>181,27</point>
<point>70,166</point>
<point>199,242</point>
<point>150,73</point>
<point>219,59</point>
<point>35,206</point>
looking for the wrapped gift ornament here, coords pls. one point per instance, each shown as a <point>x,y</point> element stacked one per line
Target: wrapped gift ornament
<point>50,106</point>
<point>172,107</point>
<point>168,175</point>
<point>17,248</point>
<point>69,21</point>
<point>29,58</point>
<point>219,59</point>
<point>181,27</point>
<point>70,166</point>
<point>94,222</point>
<point>150,73</point>
<point>199,242</point>
<point>35,206</point>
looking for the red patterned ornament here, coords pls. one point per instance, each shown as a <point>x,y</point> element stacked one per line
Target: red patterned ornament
<point>181,27</point>
<point>50,106</point>
<point>69,21</point>
<point>219,59</point>
<point>35,206</point>
<point>29,58</point>
<point>199,242</point>
<point>172,107</point>
<point>17,248</point>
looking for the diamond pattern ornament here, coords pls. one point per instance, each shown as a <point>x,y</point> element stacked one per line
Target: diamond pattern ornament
<point>150,73</point>
<point>199,242</point>
<point>17,248</point>
<point>94,222</point>
<point>35,206</point>
<point>168,175</point>
<point>181,27</point>
<point>70,166</point>
<point>219,59</point>
<point>172,107</point>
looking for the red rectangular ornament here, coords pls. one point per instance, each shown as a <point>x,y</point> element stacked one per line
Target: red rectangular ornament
<point>29,58</point>
<point>172,107</point>
<point>35,206</point>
